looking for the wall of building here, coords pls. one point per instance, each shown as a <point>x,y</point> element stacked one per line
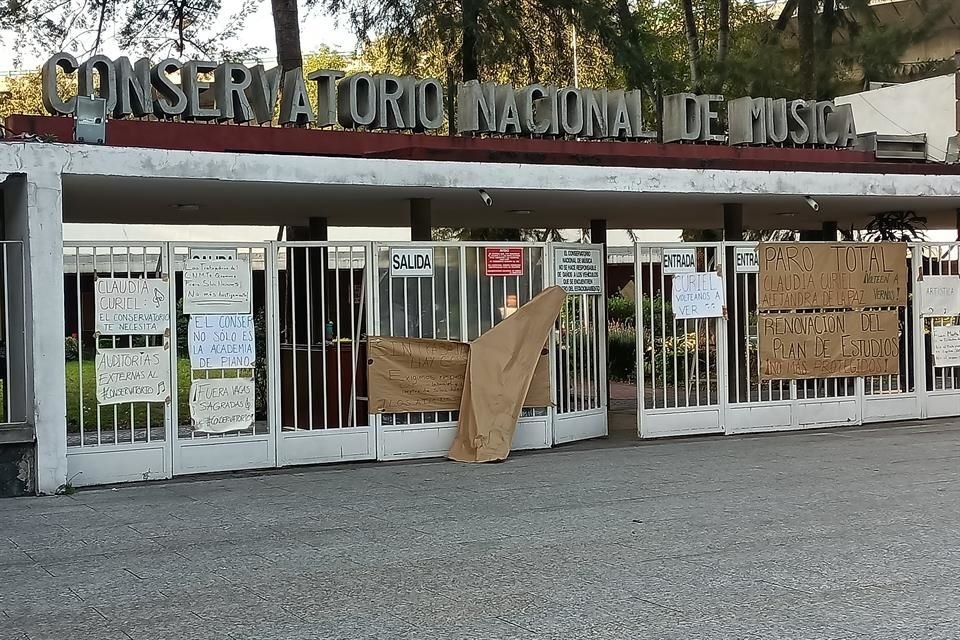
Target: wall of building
<point>925,106</point>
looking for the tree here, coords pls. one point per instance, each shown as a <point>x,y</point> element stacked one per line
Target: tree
<point>693,45</point>
<point>21,94</point>
<point>286,31</point>
<point>138,27</point>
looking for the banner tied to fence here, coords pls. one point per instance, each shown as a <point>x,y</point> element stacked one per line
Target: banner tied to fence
<point>818,275</point>
<point>418,374</point>
<point>828,345</point>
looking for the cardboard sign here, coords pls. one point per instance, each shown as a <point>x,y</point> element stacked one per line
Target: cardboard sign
<point>216,285</point>
<point>578,270</point>
<point>503,261</point>
<point>679,261</point>
<point>131,306</point>
<point>698,295</point>
<point>133,375</point>
<point>746,260</point>
<point>413,374</point>
<point>945,344</point>
<point>219,405</point>
<point>940,296</point>
<point>828,345</point>
<point>502,366</point>
<point>820,275</point>
<point>219,341</point>
<point>411,263</point>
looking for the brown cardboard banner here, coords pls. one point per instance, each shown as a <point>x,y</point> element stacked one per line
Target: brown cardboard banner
<point>821,275</point>
<point>500,371</point>
<point>412,374</point>
<point>796,346</point>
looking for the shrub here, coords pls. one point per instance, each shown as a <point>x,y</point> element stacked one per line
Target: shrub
<point>620,311</point>
<point>72,348</point>
<point>622,352</point>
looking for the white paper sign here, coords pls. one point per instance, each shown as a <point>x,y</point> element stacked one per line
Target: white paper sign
<point>679,261</point>
<point>221,341</point>
<point>945,341</point>
<point>698,295</point>
<point>133,375</point>
<point>579,270</point>
<point>214,284</point>
<point>218,405</point>
<point>746,260</point>
<point>411,263</point>
<point>940,296</point>
<point>131,306</point>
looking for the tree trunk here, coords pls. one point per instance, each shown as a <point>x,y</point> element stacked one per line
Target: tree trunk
<point>469,49</point>
<point>806,10</point>
<point>828,19</point>
<point>723,38</point>
<point>286,30</point>
<point>693,44</point>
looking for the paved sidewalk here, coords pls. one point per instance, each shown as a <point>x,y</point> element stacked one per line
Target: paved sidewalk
<point>804,536</point>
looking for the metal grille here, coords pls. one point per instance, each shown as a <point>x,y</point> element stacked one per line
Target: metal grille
<point>88,423</point>
<point>13,368</point>
<point>938,259</point>
<point>322,336</point>
<point>252,258</point>
<point>678,358</point>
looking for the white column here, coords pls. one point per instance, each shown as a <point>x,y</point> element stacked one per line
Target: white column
<point>33,207</point>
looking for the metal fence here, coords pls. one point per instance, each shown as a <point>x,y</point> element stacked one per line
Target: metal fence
<point>719,389</point>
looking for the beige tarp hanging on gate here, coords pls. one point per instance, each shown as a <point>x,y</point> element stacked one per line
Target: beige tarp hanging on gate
<point>500,369</point>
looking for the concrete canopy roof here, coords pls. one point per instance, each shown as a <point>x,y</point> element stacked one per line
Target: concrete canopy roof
<point>135,185</point>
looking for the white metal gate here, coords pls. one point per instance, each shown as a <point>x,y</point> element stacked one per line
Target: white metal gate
<point>459,301</point>
<point>773,405</point>
<point>110,443</point>
<point>680,385</point>
<point>321,291</point>
<point>196,451</point>
<point>941,385</point>
<point>579,353</point>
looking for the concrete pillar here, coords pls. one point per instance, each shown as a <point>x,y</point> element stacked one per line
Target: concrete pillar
<point>828,230</point>
<point>34,216</point>
<point>421,228</point>
<point>732,222</point>
<point>317,229</point>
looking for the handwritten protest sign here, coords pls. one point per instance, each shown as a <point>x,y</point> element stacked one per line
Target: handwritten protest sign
<point>222,341</point>
<point>807,275</point>
<point>940,296</point>
<point>828,345</point>
<point>219,405</point>
<point>131,306</point>
<point>411,374</point>
<point>212,285</point>
<point>698,295</point>
<point>945,343</point>
<point>133,375</point>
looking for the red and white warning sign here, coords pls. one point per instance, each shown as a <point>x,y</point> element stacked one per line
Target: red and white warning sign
<point>503,261</point>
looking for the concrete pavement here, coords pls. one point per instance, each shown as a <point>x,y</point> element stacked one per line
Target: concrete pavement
<point>806,536</point>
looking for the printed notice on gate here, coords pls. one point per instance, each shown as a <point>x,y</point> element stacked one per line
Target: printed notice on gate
<point>578,270</point>
<point>745,260</point>
<point>222,341</point>
<point>131,306</point>
<point>820,275</point>
<point>212,285</point>
<point>697,295</point>
<point>679,261</point>
<point>219,405</point>
<point>940,296</point>
<point>133,375</point>
<point>945,344</point>
<point>503,261</point>
<point>411,263</point>
<point>828,345</point>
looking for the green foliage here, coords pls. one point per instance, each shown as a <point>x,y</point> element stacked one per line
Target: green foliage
<point>622,352</point>
<point>72,348</point>
<point>621,311</point>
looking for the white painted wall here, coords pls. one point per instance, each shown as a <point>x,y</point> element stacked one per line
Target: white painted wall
<point>925,106</point>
